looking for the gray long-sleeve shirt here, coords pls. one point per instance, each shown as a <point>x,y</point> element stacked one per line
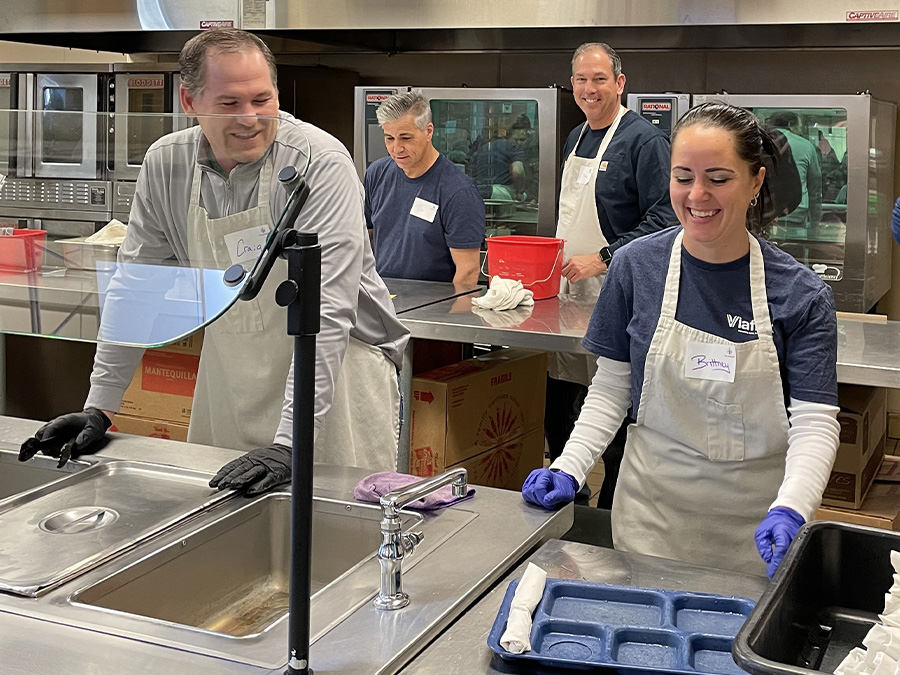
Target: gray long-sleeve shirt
<point>354,300</point>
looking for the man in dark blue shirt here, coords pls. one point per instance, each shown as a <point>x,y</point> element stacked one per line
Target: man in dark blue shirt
<point>426,215</point>
<point>614,188</point>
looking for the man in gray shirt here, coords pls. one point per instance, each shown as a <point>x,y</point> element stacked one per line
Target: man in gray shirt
<point>197,188</point>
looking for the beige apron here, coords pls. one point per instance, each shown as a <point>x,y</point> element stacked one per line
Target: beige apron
<point>247,354</point>
<point>705,458</point>
<point>579,225</point>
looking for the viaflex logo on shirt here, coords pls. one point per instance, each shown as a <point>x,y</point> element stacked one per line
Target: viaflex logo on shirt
<point>741,325</point>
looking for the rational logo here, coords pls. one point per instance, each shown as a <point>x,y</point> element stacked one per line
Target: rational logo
<point>656,105</point>
<point>889,15</point>
<point>377,98</point>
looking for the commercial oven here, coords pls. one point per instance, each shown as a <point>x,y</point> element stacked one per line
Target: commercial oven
<point>537,120</point>
<point>841,229</point>
<point>72,138</point>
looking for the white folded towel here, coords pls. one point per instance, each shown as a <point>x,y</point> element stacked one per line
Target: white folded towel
<point>504,294</point>
<point>517,636</point>
<point>883,639</point>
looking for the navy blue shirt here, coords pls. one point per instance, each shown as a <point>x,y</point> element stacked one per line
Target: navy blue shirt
<point>632,193</point>
<point>716,299</point>
<point>411,247</point>
<point>490,164</point>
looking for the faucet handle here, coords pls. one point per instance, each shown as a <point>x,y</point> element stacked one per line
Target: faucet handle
<point>411,540</point>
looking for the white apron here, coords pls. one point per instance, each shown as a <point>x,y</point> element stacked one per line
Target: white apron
<point>705,459</point>
<point>247,354</point>
<point>579,225</point>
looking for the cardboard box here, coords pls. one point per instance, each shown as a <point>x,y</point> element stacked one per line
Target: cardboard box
<point>863,420</point>
<point>163,385</point>
<point>508,465</point>
<point>464,409</point>
<point>880,508</point>
<point>139,426</point>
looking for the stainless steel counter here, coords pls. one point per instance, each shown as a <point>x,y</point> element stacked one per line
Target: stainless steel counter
<point>409,294</point>
<point>868,353</point>
<point>441,583</point>
<point>462,648</point>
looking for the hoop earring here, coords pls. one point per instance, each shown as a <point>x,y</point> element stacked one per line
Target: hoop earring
<point>755,200</point>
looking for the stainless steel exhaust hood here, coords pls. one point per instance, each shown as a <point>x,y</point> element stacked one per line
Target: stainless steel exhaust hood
<point>460,25</point>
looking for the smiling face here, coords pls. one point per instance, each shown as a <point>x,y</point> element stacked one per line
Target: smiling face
<point>409,146</point>
<point>596,89</point>
<point>711,188</point>
<point>238,85</point>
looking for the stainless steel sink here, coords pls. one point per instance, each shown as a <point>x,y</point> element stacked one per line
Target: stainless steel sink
<point>222,587</point>
<point>17,477</point>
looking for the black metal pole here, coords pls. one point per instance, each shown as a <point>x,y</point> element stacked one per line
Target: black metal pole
<point>301,295</point>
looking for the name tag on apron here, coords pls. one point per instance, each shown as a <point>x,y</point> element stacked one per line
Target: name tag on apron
<point>705,361</point>
<point>585,174</point>
<point>423,209</point>
<point>246,245</point>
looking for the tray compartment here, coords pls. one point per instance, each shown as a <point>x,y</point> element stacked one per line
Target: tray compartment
<point>710,614</point>
<point>587,625</point>
<point>615,605</point>
<point>575,641</point>
<point>647,649</point>
<point>712,654</point>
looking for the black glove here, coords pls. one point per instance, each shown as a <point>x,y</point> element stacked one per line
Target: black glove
<point>67,436</point>
<point>257,471</point>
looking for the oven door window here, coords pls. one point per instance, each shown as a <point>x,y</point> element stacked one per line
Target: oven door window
<point>146,127</point>
<point>496,143</point>
<point>815,232</point>
<point>62,126</point>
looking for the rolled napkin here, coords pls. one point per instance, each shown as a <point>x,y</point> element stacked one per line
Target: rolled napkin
<point>517,636</point>
<point>374,487</point>
<point>504,294</point>
<point>852,662</point>
<point>883,639</point>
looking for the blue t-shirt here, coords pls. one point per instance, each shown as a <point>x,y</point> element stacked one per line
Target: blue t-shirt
<point>632,188</point>
<point>490,164</point>
<point>715,298</point>
<point>411,247</point>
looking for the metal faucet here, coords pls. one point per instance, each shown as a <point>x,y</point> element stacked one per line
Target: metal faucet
<point>395,544</point>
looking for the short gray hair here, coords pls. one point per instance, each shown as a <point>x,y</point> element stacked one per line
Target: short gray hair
<point>614,59</point>
<point>192,59</point>
<point>405,103</point>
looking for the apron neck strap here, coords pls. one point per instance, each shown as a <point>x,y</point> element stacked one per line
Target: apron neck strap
<point>262,193</point>
<point>758,297</point>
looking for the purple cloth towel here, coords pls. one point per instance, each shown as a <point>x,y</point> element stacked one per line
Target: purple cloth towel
<point>372,488</point>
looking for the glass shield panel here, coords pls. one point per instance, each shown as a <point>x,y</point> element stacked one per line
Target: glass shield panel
<point>159,274</point>
<point>815,232</point>
<point>495,142</point>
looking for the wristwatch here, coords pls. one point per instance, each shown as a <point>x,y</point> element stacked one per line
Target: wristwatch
<point>605,255</point>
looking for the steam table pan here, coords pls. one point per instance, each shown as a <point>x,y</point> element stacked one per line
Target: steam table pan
<point>52,533</point>
<point>585,625</point>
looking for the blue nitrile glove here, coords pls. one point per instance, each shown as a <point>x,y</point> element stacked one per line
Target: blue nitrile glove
<point>549,488</point>
<point>775,534</point>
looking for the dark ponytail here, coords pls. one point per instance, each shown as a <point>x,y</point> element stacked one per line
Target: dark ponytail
<point>781,191</point>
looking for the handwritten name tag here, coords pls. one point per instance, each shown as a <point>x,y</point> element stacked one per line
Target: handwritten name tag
<point>423,209</point>
<point>585,174</point>
<point>246,245</point>
<point>704,361</point>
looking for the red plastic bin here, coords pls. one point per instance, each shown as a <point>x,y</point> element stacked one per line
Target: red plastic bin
<point>535,261</point>
<point>22,251</point>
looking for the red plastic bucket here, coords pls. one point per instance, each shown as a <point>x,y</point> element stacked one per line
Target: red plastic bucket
<point>535,261</point>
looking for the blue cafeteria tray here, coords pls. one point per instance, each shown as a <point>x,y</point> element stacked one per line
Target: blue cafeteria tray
<point>579,624</point>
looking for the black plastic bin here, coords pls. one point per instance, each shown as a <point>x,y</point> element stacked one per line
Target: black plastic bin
<point>825,597</point>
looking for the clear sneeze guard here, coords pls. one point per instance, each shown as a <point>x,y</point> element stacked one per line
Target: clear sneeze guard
<point>157,279</point>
